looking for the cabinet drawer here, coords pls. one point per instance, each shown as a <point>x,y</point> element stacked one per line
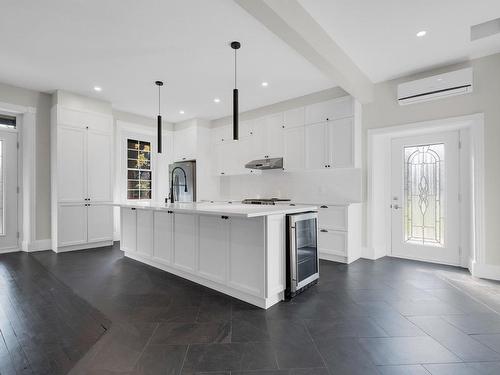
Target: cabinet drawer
<point>332,241</point>
<point>332,217</point>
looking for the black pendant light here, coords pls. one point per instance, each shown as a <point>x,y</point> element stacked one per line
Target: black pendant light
<point>235,45</point>
<point>159,84</point>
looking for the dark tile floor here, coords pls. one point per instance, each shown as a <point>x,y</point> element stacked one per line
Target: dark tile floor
<point>389,316</point>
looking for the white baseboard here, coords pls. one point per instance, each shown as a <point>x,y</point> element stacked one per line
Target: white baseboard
<point>39,245</point>
<point>116,236</point>
<point>9,250</point>
<point>372,253</point>
<point>485,271</point>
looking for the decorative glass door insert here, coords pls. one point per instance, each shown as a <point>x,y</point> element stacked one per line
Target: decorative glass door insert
<point>424,191</point>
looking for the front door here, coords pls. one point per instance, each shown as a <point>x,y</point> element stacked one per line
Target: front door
<point>425,198</point>
<point>8,191</point>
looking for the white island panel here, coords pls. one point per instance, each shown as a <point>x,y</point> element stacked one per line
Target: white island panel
<point>185,239</point>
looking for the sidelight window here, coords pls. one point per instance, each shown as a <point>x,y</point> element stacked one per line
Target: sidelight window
<point>139,175</point>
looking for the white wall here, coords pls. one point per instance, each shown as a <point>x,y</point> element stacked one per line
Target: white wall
<point>385,111</point>
<point>42,103</point>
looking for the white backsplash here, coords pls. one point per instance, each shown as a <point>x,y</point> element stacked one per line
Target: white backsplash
<point>328,186</point>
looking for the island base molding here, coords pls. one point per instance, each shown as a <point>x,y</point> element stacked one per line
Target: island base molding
<point>261,302</point>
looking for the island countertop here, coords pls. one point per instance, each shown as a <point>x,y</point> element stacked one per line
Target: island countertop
<point>217,208</point>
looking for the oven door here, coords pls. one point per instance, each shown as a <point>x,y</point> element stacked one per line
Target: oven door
<point>303,250</point>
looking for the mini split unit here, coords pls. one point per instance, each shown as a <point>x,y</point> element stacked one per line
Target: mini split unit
<point>436,87</point>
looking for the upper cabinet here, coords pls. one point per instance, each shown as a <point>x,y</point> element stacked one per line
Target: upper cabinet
<point>185,143</point>
<point>317,136</point>
<point>329,110</point>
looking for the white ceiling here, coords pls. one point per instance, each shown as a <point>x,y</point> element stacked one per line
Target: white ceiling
<point>379,35</point>
<point>125,45</point>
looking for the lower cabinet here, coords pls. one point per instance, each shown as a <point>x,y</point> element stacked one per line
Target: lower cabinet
<point>229,251</point>
<point>185,240</point>
<point>144,232</point>
<point>213,250</point>
<point>83,223</point>
<point>163,248</point>
<point>72,224</point>
<point>128,229</point>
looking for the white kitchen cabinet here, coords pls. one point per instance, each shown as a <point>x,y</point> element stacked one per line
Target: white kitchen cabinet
<point>99,167</point>
<point>316,146</point>
<point>293,157</point>
<point>332,242</point>
<point>144,232</point>
<point>99,223</point>
<point>330,144</point>
<point>341,143</point>
<point>332,217</point>
<point>246,255</point>
<point>185,143</point>
<point>72,229</point>
<point>221,134</point>
<point>163,236</point>
<point>294,117</point>
<point>128,229</point>
<point>82,156</point>
<point>329,110</point>
<point>185,240</point>
<point>213,250</point>
<point>231,157</point>
<point>245,129</point>
<point>71,164</point>
<point>268,137</point>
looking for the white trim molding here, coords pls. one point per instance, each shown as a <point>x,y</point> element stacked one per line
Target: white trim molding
<point>485,271</point>
<point>27,172</point>
<point>378,231</point>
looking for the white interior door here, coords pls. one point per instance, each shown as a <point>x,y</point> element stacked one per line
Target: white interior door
<point>8,190</point>
<point>425,198</point>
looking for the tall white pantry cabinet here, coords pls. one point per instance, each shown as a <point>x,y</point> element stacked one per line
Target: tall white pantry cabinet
<point>81,179</point>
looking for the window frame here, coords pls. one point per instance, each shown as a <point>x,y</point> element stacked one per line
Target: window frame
<point>138,139</point>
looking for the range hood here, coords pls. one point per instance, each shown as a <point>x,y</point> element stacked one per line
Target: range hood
<point>268,163</point>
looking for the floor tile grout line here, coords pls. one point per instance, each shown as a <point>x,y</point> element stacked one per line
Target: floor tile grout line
<point>184,359</point>
<point>315,346</point>
<point>145,346</point>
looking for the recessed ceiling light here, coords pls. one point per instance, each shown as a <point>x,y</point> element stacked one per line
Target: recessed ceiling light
<point>264,84</point>
<point>216,100</point>
<point>181,112</point>
<point>421,33</point>
<point>97,88</point>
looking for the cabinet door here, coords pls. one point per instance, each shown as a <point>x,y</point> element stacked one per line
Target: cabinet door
<point>185,236</point>
<point>294,117</point>
<point>341,143</point>
<point>329,110</point>
<point>332,242</point>
<point>145,232</point>
<point>294,148</point>
<point>259,139</point>
<point>246,255</point>
<point>213,249</point>
<point>71,164</point>
<point>72,224</point>
<point>275,138</point>
<point>315,146</point>
<point>245,129</point>
<point>222,158</point>
<point>100,223</point>
<point>185,143</point>
<point>163,236</point>
<point>128,229</point>
<point>332,217</point>
<point>99,166</point>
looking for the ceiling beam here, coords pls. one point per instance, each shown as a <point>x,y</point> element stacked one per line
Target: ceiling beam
<point>296,27</point>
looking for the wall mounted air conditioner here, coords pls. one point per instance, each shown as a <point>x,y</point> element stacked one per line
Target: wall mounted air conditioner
<point>436,87</point>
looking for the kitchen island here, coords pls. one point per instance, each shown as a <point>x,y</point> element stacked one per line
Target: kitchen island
<point>236,249</point>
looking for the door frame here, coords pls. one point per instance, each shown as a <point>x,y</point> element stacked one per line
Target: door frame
<point>26,164</point>
<point>471,129</point>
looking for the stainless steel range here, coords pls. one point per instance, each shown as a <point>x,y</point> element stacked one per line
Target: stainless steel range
<point>267,201</point>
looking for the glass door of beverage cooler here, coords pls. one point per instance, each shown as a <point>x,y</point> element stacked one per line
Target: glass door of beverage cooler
<point>303,254</point>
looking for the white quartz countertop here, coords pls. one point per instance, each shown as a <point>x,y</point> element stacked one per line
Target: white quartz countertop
<point>225,209</point>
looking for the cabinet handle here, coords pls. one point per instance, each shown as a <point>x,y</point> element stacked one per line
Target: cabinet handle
<point>323,206</point>
<point>170,212</point>
<point>292,204</point>
<point>133,209</point>
<point>323,230</point>
<point>222,173</point>
<point>224,217</point>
